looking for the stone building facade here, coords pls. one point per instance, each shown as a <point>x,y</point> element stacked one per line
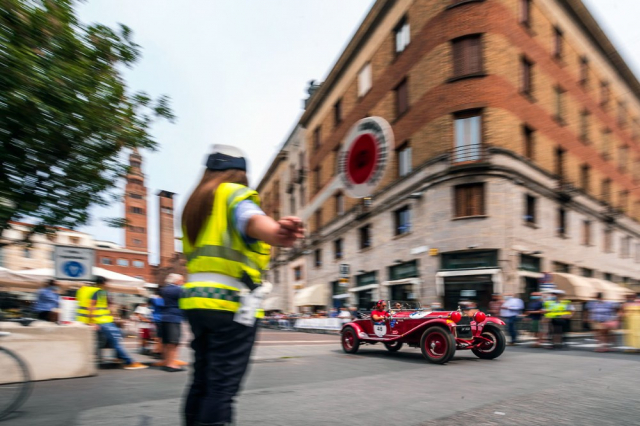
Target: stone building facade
<point>517,152</point>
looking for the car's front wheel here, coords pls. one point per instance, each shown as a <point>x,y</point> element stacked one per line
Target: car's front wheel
<point>438,345</point>
<point>350,341</point>
<point>393,346</point>
<point>495,345</point>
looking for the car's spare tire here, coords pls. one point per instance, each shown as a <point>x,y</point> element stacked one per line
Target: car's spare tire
<point>350,341</point>
<point>438,345</point>
<point>494,348</point>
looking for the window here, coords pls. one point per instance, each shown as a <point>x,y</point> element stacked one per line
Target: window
<point>365,237</point>
<point>302,195</point>
<point>169,210</point>
<point>138,263</point>
<point>467,56</point>
<point>137,242</point>
<point>402,98</point>
<point>561,267</point>
<point>558,42</point>
<point>297,273</point>
<point>525,12</point>
<point>585,178</point>
<point>559,158</point>
<point>623,158</point>
<point>337,112</point>
<point>606,191</point>
<point>106,261</point>
<point>608,240</point>
<point>402,219</point>
<point>469,200</point>
<point>318,219</point>
<point>404,160</point>
<point>529,145</point>
<point>586,272</point>
<point>624,201</point>
<point>135,196</point>
<point>605,149</point>
<point>584,126</point>
<point>339,204</point>
<point>468,136</point>
<point>316,178</point>
<point>74,240</point>
<point>622,114</point>
<point>364,80</point>
<point>316,138</point>
<point>402,35</point>
<point>292,203</point>
<point>337,248</point>
<point>586,232</point>
<point>138,229</point>
<point>527,70</point>
<point>27,253</point>
<point>584,70</point>
<point>625,247</point>
<point>605,93</point>
<point>123,262</point>
<point>562,222</point>
<point>559,96</point>
<point>317,256</point>
<point>137,210</point>
<point>530,209</point>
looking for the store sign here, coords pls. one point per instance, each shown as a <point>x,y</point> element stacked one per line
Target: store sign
<point>404,270</point>
<point>344,270</point>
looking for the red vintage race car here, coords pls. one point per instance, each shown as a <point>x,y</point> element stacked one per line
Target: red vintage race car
<point>438,334</point>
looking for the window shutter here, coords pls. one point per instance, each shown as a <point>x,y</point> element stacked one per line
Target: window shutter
<point>458,58</point>
<point>474,55</point>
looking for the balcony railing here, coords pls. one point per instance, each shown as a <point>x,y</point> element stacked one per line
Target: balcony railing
<point>468,154</point>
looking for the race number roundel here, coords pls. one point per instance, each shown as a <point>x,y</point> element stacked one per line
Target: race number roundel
<point>364,156</point>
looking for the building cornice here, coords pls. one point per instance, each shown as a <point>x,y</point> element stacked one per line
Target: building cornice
<point>365,30</point>
<point>587,23</point>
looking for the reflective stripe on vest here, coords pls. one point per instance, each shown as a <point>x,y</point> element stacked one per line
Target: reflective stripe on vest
<point>220,249</point>
<point>101,313</point>
<point>556,309</point>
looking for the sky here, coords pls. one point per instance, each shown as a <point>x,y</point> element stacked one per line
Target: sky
<point>237,72</point>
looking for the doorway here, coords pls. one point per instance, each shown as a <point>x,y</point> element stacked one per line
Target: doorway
<point>477,288</point>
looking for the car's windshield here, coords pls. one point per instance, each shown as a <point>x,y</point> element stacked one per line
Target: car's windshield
<point>404,305</point>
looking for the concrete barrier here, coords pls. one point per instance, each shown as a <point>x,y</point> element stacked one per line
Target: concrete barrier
<point>52,351</point>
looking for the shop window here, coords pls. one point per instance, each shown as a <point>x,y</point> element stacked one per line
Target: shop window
<point>469,200</point>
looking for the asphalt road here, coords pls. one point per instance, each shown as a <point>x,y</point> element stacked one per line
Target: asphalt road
<point>306,379</point>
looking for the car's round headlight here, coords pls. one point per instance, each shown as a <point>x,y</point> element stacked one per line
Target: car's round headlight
<point>479,317</point>
<point>456,316</point>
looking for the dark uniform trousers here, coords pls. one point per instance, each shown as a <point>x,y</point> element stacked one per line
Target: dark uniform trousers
<point>222,351</point>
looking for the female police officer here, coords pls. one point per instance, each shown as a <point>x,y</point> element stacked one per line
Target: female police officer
<point>226,242</point>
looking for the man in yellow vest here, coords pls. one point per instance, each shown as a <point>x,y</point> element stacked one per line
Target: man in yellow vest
<point>93,310</point>
<point>558,313</point>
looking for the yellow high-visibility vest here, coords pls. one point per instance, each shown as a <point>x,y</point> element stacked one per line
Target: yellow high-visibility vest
<point>220,249</point>
<point>556,309</point>
<point>101,313</point>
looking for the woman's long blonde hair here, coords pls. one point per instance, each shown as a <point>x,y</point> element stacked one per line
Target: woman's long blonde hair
<point>198,208</point>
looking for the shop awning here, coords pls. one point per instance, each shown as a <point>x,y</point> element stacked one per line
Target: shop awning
<point>610,291</point>
<point>316,295</point>
<point>341,296</point>
<point>575,286</point>
<point>273,303</point>
<point>414,281</point>
<point>364,287</point>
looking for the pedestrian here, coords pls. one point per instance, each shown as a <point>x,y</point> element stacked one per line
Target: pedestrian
<point>226,243</point>
<point>603,319</point>
<point>534,312</point>
<point>344,314</point>
<point>144,319</point>
<point>93,309</point>
<point>156,303</point>
<point>47,303</point>
<point>495,305</point>
<point>558,311</point>
<point>510,311</point>
<point>171,323</point>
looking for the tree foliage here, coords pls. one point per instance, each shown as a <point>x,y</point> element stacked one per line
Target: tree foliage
<point>66,115</point>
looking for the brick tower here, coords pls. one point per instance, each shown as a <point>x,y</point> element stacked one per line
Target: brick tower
<point>166,231</point>
<point>135,204</point>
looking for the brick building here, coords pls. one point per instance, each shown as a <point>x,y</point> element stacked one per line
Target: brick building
<point>517,132</point>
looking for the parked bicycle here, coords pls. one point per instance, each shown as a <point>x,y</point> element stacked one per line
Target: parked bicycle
<point>15,381</point>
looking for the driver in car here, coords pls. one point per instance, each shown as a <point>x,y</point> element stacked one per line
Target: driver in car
<point>380,312</point>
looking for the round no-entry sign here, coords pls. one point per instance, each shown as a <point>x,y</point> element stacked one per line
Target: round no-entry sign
<point>364,156</point>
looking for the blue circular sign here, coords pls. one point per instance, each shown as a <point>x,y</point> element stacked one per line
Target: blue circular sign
<point>73,269</point>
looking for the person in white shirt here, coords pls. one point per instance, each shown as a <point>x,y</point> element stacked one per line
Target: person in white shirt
<point>144,317</point>
<point>344,315</point>
<point>510,311</point>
